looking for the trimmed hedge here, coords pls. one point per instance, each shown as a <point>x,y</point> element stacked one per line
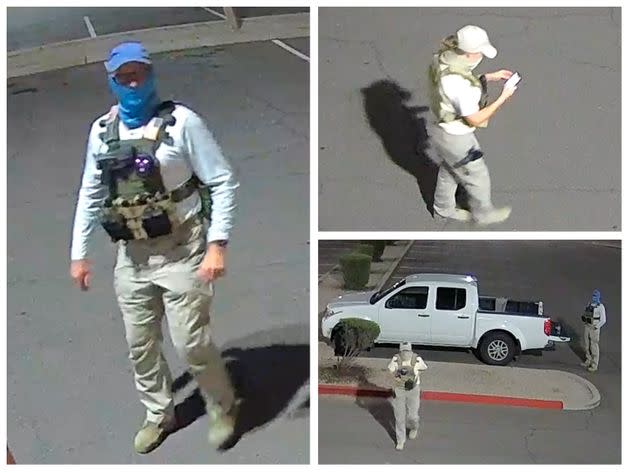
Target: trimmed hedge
<point>365,248</point>
<point>354,335</point>
<point>356,270</point>
<point>379,249</point>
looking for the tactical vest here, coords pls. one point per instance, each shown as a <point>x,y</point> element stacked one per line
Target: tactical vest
<point>446,63</point>
<point>138,206</point>
<point>405,377</point>
<point>590,317</point>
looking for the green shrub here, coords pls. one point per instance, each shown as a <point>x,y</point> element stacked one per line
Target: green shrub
<point>356,270</point>
<point>379,249</point>
<point>365,248</point>
<point>352,336</point>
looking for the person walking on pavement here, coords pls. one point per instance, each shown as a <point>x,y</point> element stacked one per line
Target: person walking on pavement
<point>594,319</point>
<point>405,368</point>
<point>459,102</point>
<point>151,171</point>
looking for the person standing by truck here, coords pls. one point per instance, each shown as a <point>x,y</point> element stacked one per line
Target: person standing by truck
<point>405,368</point>
<point>594,319</point>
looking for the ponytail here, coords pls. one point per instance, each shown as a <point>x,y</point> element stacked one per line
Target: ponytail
<point>449,43</point>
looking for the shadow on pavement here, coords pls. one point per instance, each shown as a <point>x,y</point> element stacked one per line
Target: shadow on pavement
<point>380,409</point>
<point>576,343</point>
<point>267,379</point>
<point>403,132</point>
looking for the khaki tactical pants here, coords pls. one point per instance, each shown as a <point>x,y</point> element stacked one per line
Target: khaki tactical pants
<point>158,277</point>
<point>406,406</point>
<point>474,176</point>
<point>591,345</point>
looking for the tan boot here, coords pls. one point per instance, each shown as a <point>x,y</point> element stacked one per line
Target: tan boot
<point>460,215</point>
<point>400,445</point>
<point>221,423</point>
<point>151,435</point>
<point>413,433</point>
<point>496,215</point>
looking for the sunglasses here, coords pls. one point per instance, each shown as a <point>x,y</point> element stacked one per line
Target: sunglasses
<point>138,75</point>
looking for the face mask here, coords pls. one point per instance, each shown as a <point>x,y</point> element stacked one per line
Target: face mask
<point>596,299</point>
<point>475,64</point>
<point>136,105</point>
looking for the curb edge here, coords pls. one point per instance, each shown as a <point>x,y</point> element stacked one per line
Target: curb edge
<point>356,391</point>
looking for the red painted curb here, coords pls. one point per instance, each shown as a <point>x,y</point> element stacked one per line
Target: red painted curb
<point>10,459</point>
<point>346,390</point>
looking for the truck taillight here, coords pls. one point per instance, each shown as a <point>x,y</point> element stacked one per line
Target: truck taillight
<point>548,327</point>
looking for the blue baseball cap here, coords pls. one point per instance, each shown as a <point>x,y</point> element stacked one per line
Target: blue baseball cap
<point>124,53</point>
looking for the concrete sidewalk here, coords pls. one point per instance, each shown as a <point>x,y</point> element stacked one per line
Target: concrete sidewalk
<point>480,384</point>
<point>157,40</point>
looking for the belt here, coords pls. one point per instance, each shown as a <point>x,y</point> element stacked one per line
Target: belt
<point>185,190</point>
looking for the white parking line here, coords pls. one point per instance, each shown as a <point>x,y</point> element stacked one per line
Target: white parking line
<point>291,50</point>
<point>220,15</point>
<point>89,26</point>
<point>275,41</point>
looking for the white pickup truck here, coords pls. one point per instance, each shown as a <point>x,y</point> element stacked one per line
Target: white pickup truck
<point>446,310</point>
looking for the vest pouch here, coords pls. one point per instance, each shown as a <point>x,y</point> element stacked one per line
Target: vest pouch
<point>116,229</point>
<point>157,225</point>
<point>409,384</point>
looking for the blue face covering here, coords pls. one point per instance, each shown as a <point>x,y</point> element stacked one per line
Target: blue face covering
<point>596,297</point>
<point>136,106</point>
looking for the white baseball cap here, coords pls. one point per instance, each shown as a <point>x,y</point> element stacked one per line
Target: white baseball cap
<point>472,39</point>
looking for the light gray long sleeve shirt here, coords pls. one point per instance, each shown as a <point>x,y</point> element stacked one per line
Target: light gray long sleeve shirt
<point>194,149</point>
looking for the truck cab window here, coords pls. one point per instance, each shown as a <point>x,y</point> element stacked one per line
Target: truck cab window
<point>410,298</point>
<point>450,298</point>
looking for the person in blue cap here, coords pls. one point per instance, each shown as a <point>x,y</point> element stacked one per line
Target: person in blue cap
<point>158,183</point>
<point>594,319</point>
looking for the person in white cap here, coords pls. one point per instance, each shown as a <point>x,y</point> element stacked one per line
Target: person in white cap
<point>459,104</point>
<point>405,368</point>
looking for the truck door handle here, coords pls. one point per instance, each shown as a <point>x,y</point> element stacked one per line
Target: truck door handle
<point>463,316</point>
<point>424,315</point>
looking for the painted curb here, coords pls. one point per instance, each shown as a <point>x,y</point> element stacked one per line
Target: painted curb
<point>84,51</point>
<point>356,391</point>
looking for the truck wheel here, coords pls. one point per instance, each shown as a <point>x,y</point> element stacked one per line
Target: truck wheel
<point>497,349</point>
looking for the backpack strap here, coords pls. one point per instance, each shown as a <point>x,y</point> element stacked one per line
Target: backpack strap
<point>157,127</point>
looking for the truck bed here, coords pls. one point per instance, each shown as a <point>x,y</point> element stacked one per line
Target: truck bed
<point>503,305</point>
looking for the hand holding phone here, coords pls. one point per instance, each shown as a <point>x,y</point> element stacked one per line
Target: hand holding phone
<point>512,81</point>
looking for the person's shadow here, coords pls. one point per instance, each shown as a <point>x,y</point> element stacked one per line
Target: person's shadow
<point>402,130</point>
<point>380,408</point>
<point>270,380</point>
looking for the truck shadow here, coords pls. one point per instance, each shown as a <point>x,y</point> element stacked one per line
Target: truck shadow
<point>270,379</point>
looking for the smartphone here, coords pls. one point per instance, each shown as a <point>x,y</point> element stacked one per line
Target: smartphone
<point>512,81</point>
